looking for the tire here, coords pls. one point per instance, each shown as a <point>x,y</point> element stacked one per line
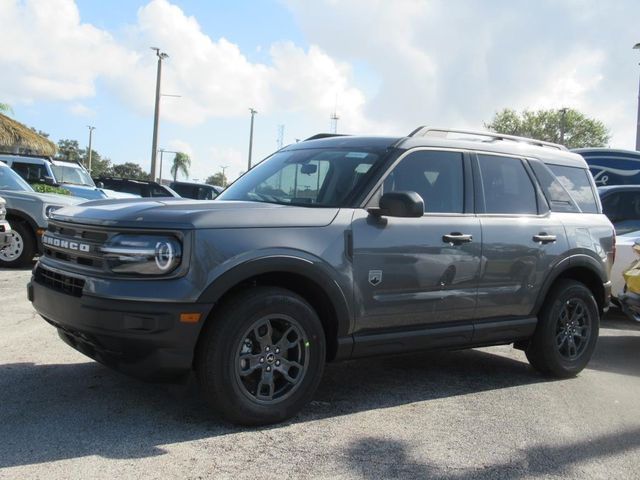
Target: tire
<point>21,250</point>
<point>567,331</point>
<point>256,375</point>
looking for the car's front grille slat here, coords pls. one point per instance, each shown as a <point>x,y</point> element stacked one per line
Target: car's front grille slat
<point>59,281</point>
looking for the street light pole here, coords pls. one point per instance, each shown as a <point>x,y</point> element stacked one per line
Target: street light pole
<point>156,116</point>
<point>637,47</point>
<point>253,113</point>
<point>563,114</point>
<point>91,129</point>
<point>224,178</point>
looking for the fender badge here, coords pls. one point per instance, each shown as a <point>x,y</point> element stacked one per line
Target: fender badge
<point>375,277</point>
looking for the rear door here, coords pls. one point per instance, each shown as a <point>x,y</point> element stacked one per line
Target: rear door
<point>522,239</point>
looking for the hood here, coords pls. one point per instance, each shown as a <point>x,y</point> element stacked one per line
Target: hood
<point>187,214</point>
<point>84,191</point>
<point>49,198</point>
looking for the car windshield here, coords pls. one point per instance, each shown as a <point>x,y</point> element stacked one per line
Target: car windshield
<point>307,177</point>
<point>72,174</point>
<point>10,180</point>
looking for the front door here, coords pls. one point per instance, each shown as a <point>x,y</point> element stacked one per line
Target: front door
<point>417,272</point>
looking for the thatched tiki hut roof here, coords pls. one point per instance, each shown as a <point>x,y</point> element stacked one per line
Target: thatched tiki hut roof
<point>18,138</point>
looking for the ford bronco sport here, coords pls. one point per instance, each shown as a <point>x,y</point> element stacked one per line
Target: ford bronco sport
<point>335,248</point>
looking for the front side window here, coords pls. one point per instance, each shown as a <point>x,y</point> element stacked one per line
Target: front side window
<point>507,186</point>
<point>436,176</point>
<point>31,172</point>
<point>308,177</point>
<point>576,181</point>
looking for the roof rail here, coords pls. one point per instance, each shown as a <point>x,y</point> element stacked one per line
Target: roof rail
<point>318,136</point>
<point>424,131</point>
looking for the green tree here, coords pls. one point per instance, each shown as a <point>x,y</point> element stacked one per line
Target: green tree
<point>69,150</point>
<point>579,130</point>
<point>129,170</point>
<point>219,179</point>
<point>5,108</point>
<point>100,167</point>
<point>181,163</point>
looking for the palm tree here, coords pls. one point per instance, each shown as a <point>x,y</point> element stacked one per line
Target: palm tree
<point>181,162</point>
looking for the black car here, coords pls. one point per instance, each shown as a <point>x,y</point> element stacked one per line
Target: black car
<point>197,191</point>
<point>142,188</point>
<point>621,203</point>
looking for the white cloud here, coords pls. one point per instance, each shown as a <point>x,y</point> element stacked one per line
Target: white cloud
<point>81,110</point>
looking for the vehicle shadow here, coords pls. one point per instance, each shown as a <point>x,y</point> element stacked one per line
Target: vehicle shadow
<point>375,458</point>
<point>56,412</point>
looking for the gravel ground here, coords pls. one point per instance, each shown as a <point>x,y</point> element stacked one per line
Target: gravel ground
<point>480,413</point>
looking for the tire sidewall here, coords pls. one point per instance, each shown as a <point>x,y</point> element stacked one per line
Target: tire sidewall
<point>221,357</point>
<point>558,364</point>
<point>28,247</point>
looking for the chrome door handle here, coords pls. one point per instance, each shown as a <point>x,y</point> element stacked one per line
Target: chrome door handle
<point>542,237</point>
<point>456,237</point>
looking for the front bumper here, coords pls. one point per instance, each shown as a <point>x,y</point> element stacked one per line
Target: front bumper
<point>630,304</point>
<point>142,339</point>
<point>5,233</point>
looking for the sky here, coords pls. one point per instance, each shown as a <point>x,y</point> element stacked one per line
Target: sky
<point>383,67</point>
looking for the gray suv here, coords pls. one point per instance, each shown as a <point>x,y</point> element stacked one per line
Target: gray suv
<point>27,212</point>
<point>335,248</point>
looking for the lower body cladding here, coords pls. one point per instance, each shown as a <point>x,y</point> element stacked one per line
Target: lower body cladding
<point>145,340</point>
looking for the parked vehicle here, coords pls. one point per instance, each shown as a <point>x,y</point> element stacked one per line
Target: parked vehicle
<point>139,188</point>
<point>5,228</point>
<point>197,191</point>
<point>630,298</point>
<point>621,203</point>
<point>625,256</point>
<point>27,212</point>
<point>336,248</point>
<point>69,175</point>
<point>612,166</point>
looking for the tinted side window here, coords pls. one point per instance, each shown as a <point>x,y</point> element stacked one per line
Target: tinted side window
<point>29,171</point>
<point>436,176</point>
<point>558,197</point>
<point>576,181</point>
<point>507,186</point>
<point>623,209</point>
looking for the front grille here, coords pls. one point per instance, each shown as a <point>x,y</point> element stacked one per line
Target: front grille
<point>75,244</point>
<point>58,281</point>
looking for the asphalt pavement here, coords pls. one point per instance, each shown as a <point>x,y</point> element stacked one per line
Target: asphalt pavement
<point>481,413</point>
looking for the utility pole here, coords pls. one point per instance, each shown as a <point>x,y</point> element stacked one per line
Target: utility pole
<point>224,177</point>
<point>156,116</point>
<point>91,129</point>
<point>253,113</point>
<point>280,140</point>
<point>563,113</point>
<point>637,47</point>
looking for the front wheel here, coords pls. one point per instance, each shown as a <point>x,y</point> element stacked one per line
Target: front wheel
<point>261,358</point>
<point>567,331</point>
<point>21,248</point>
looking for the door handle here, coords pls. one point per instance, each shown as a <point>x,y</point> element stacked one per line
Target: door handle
<point>543,237</point>
<point>456,237</point>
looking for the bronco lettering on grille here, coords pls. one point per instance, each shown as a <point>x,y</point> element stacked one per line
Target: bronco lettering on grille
<point>66,244</point>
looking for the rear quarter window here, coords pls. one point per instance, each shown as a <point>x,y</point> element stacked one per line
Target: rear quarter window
<point>577,183</point>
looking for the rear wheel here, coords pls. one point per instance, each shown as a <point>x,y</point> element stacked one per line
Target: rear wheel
<point>262,356</point>
<point>567,331</point>
<point>21,249</point>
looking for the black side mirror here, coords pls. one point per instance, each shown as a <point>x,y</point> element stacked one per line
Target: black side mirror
<point>400,204</point>
<point>48,180</point>
<point>100,184</point>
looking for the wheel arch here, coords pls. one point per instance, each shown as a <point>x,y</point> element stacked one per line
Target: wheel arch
<point>308,279</point>
<point>581,268</point>
<point>22,217</point>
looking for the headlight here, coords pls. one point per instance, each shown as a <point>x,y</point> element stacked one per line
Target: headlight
<point>49,209</point>
<point>143,254</point>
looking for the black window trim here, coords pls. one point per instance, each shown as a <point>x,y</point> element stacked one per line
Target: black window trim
<point>542,206</point>
<point>372,198</point>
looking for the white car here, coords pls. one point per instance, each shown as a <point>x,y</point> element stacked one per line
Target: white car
<point>625,256</point>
